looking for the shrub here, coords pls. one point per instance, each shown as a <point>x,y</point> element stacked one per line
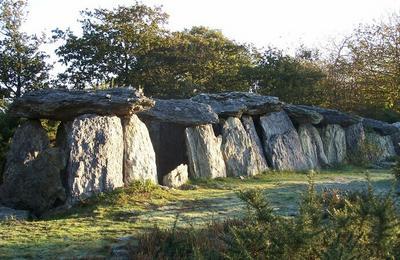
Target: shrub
<point>330,225</point>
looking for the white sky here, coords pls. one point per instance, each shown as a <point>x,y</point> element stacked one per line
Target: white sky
<point>281,23</point>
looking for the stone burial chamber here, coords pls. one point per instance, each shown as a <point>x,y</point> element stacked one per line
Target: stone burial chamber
<point>107,139</point>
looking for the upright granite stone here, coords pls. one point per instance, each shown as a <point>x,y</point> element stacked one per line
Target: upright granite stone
<point>95,156</point>
<point>241,157</point>
<point>334,140</point>
<point>65,105</point>
<point>355,140</point>
<point>139,156</point>
<point>312,146</point>
<point>237,104</point>
<point>28,141</point>
<point>204,153</point>
<point>37,187</point>
<point>396,142</point>
<point>248,124</point>
<point>382,146</point>
<point>282,143</point>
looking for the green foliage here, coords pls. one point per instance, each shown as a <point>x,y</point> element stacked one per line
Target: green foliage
<point>194,61</point>
<point>111,47</point>
<point>51,128</point>
<point>293,79</point>
<point>22,64</point>
<point>330,225</point>
<point>362,69</point>
<point>129,46</point>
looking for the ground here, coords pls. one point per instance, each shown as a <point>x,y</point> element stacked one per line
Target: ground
<point>90,229</point>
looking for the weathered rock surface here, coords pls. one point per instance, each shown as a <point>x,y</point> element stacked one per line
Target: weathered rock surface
<point>397,124</point>
<point>168,141</point>
<point>248,124</point>
<point>204,152</point>
<point>64,105</point>
<point>382,146</point>
<point>380,127</point>
<point>355,140</point>
<point>334,140</point>
<point>237,104</point>
<point>396,142</point>
<point>28,141</point>
<point>139,156</point>
<point>37,186</point>
<point>282,143</point>
<point>177,177</point>
<point>241,157</point>
<point>95,156</point>
<point>331,116</point>
<point>312,146</point>
<point>180,111</point>
<point>13,214</point>
<point>303,115</point>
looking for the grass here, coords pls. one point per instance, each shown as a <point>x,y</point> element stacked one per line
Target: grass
<point>89,229</point>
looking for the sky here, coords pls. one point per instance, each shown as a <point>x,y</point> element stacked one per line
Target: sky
<point>282,23</point>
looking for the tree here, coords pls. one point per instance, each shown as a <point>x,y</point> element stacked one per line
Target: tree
<point>111,45</point>
<point>196,60</point>
<point>364,70</point>
<point>129,46</point>
<point>293,79</point>
<point>22,64</point>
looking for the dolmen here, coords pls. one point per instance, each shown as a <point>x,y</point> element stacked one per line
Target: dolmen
<point>107,139</point>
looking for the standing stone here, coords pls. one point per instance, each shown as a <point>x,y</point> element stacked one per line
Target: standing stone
<point>312,145</point>
<point>95,161</point>
<point>177,177</point>
<point>37,187</point>
<point>396,139</point>
<point>355,137</point>
<point>139,156</point>
<point>248,124</point>
<point>28,141</point>
<point>355,141</point>
<point>240,156</point>
<point>396,142</point>
<point>204,152</point>
<point>381,148</point>
<point>282,143</point>
<point>334,140</point>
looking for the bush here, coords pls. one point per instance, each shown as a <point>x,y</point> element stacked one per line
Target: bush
<point>330,225</point>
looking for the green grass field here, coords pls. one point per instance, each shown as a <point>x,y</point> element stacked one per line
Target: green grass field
<point>88,230</point>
